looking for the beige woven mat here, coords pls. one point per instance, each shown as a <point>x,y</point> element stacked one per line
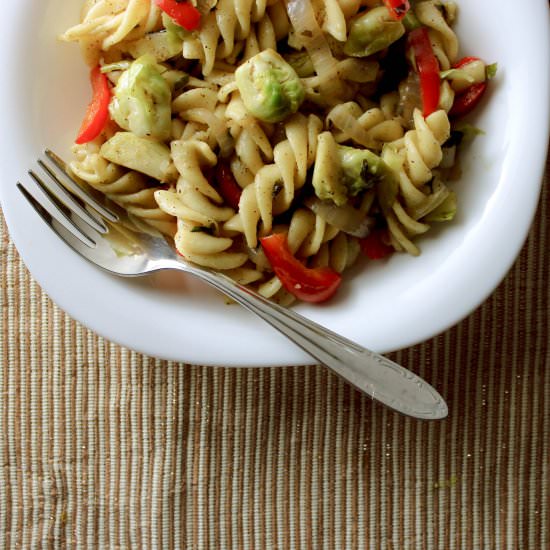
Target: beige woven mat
<point>103,448</point>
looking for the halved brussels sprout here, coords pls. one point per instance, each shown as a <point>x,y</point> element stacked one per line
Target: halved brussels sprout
<point>342,172</point>
<point>361,169</point>
<point>270,88</point>
<point>371,32</point>
<point>327,177</point>
<point>142,100</point>
<point>140,154</point>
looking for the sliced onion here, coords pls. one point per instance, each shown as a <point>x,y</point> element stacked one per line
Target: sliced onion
<point>302,18</point>
<point>410,98</point>
<point>346,218</point>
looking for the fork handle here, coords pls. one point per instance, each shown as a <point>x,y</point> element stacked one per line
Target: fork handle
<point>376,375</point>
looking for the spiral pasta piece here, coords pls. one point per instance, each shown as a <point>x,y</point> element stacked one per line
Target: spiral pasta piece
<point>253,147</point>
<point>234,26</point>
<point>421,146</point>
<point>418,153</point>
<point>333,20</point>
<point>275,184</point>
<point>201,107</point>
<point>370,128</point>
<point>199,210</point>
<point>129,190</point>
<point>109,22</point>
<point>443,38</point>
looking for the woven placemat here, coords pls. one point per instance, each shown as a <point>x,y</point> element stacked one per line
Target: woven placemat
<point>101,447</point>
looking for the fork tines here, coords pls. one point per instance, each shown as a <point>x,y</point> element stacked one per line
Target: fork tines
<point>58,198</point>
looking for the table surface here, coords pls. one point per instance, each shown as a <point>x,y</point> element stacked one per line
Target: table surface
<point>101,447</point>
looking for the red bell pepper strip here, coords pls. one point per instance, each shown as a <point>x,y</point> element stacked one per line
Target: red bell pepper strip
<point>373,245</point>
<point>467,100</point>
<point>398,8</point>
<point>183,13</point>
<point>307,284</point>
<point>97,113</point>
<point>427,67</point>
<point>227,187</point>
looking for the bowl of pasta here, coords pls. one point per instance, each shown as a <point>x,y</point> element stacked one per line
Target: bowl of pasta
<point>362,161</point>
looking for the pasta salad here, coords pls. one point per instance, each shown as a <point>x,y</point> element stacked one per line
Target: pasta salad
<point>276,141</point>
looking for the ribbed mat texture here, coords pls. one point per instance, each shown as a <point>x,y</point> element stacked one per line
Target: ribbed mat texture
<point>104,448</point>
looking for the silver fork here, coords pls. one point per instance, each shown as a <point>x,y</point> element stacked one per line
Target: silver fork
<point>80,220</point>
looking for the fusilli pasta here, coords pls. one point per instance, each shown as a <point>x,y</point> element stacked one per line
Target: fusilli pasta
<point>303,117</point>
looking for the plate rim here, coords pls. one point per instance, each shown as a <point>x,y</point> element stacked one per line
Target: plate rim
<point>292,355</point>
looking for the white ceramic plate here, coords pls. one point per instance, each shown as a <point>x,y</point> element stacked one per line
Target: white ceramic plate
<point>385,306</point>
